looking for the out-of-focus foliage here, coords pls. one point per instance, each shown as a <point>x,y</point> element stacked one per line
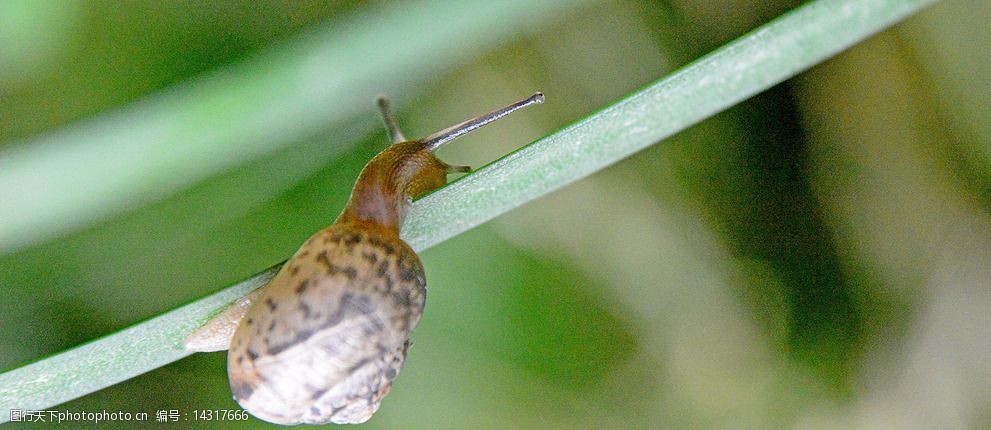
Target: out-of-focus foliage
<point>817,257</point>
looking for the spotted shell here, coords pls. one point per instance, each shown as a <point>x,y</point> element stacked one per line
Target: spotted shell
<point>330,333</point>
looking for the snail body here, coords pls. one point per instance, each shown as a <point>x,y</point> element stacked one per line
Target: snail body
<point>324,339</point>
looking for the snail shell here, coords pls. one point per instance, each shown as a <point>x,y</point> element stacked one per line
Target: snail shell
<point>328,336</point>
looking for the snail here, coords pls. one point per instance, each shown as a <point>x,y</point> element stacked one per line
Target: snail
<point>324,339</point>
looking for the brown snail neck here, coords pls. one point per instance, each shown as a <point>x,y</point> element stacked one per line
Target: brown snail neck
<point>389,183</point>
<point>408,169</point>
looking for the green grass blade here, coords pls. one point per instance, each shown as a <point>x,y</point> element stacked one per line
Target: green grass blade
<point>760,59</point>
<point>69,179</point>
<point>115,358</point>
<point>733,73</point>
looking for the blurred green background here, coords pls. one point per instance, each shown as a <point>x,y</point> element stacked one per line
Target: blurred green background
<point>816,257</point>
